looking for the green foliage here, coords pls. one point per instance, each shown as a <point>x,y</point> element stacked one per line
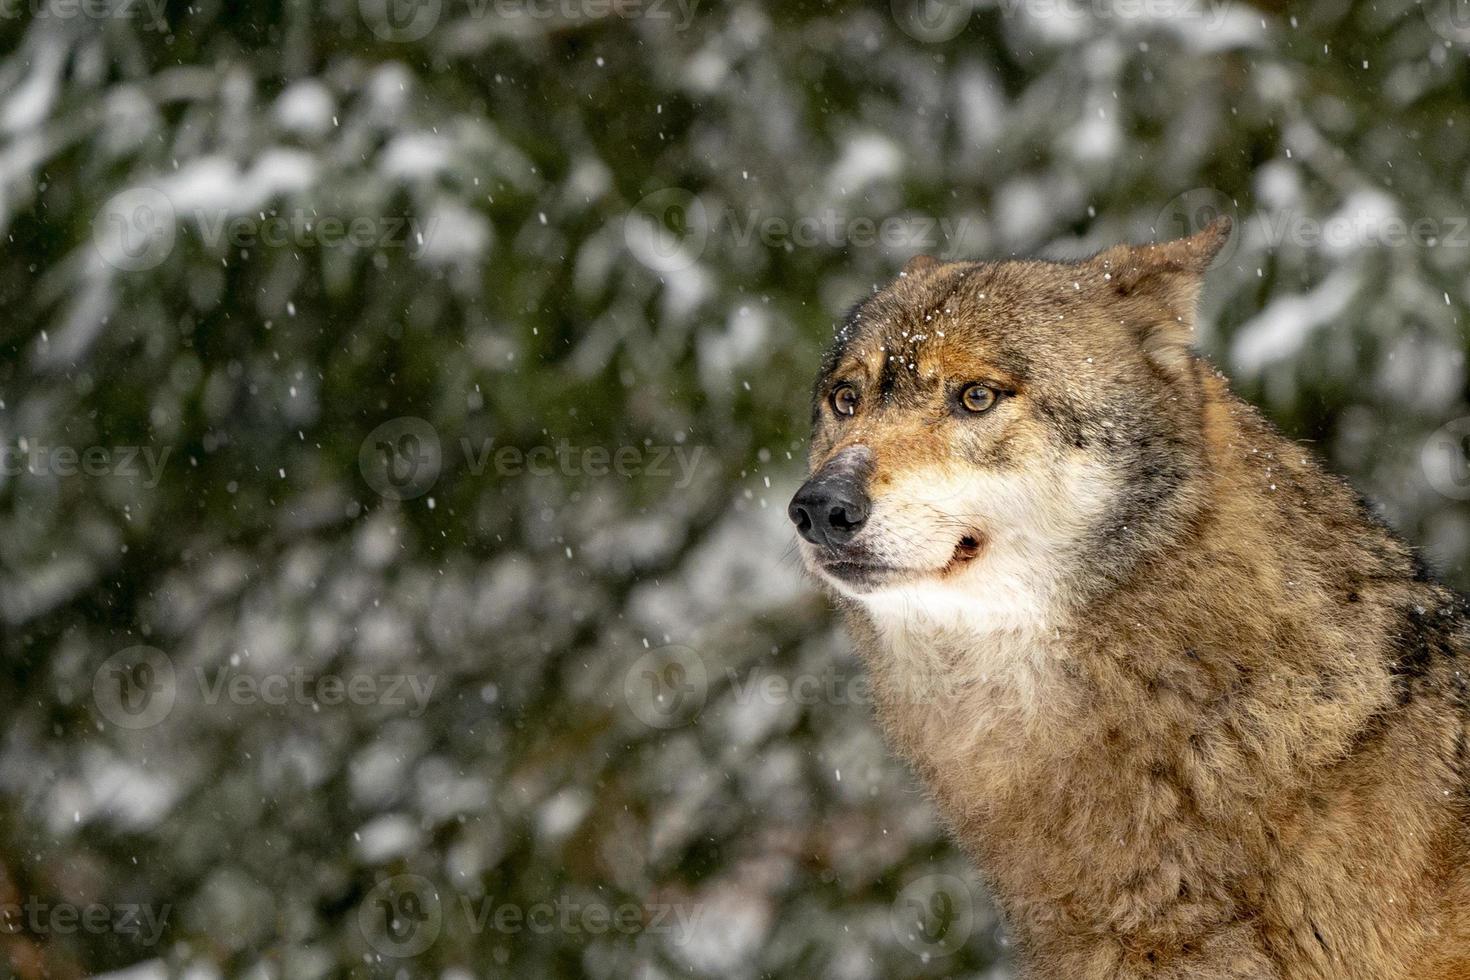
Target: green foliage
<point>519,288</point>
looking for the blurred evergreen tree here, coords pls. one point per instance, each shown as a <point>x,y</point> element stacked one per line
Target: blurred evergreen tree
<point>609,226</point>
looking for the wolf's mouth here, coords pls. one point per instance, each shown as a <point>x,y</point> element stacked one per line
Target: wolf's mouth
<point>852,570</point>
<point>861,572</point>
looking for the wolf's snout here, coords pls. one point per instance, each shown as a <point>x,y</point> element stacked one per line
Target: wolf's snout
<point>829,509</point>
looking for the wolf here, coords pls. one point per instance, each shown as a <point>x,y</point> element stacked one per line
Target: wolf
<point>1192,710</point>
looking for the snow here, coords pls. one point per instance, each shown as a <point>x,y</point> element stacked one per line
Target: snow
<point>865,159</point>
<point>1280,330</point>
<point>416,156</point>
<point>723,353</point>
<point>32,101</point>
<point>214,185</point>
<point>1278,185</point>
<point>453,235</point>
<point>729,927</point>
<point>392,835</point>
<point>529,299</point>
<point>306,107</point>
<point>561,815</point>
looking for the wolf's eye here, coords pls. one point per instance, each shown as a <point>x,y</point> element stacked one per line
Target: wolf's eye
<point>844,399</point>
<point>978,398</point>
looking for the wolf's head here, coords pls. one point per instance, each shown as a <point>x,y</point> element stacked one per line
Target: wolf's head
<point>1002,437</point>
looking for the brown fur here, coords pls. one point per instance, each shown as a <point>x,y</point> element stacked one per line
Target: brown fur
<point>1237,746</point>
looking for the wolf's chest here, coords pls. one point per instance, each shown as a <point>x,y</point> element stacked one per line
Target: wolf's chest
<point>1052,775</point>
<point>957,697</point>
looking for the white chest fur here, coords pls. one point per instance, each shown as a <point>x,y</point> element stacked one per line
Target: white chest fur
<point>956,671</point>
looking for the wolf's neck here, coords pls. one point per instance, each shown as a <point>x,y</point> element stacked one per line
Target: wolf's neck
<point>1216,678</point>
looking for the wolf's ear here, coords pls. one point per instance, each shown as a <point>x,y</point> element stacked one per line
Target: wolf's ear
<point>920,264</point>
<point>1160,286</point>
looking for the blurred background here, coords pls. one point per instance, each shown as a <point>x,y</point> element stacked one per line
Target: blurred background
<point>399,401</point>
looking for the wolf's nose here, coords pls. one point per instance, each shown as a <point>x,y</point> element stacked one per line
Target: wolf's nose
<point>828,510</point>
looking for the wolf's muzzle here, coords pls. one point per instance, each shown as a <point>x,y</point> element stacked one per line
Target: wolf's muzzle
<point>831,507</point>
